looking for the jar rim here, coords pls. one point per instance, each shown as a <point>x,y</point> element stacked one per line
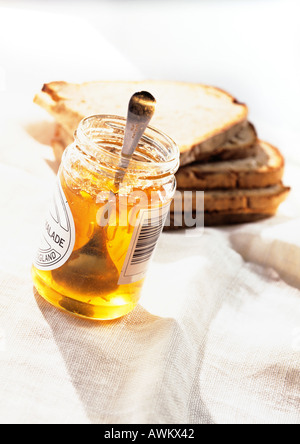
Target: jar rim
<point>152,136</point>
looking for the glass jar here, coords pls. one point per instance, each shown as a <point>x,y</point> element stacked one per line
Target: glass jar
<point>104,222</point>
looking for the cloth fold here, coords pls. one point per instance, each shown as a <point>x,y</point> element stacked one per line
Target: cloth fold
<point>215,338</point>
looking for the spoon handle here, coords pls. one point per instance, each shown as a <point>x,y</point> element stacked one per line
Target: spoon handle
<point>140,111</point>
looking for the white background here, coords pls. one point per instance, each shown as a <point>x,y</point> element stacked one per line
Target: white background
<point>248,47</point>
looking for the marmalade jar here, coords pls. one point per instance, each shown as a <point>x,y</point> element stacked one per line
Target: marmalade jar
<point>100,234</point>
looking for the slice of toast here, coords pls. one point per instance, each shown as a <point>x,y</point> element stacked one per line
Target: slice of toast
<point>60,142</point>
<point>257,200</point>
<point>201,119</point>
<point>218,218</point>
<point>239,145</point>
<point>242,144</point>
<point>264,169</point>
<point>229,207</point>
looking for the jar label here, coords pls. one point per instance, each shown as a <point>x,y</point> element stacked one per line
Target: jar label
<point>143,244</point>
<point>58,236</point>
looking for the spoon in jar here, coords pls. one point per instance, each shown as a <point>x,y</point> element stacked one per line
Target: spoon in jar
<point>140,111</point>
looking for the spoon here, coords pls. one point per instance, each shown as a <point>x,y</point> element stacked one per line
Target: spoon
<point>140,111</point>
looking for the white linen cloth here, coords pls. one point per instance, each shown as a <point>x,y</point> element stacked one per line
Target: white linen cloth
<point>215,338</point>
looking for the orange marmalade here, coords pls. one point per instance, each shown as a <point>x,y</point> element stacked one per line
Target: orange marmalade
<point>100,235</point>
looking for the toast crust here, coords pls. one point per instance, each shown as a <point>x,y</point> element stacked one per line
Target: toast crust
<point>215,219</point>
<point>229,145</point>
<point>258,200</point>
<point>264,169</point>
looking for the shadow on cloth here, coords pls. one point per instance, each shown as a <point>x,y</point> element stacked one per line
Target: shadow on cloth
<point>141,368</point>
<point>43,133</point>
<point>275,245</point>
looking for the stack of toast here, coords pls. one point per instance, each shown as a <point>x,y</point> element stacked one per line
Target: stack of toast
<point>220,152</point>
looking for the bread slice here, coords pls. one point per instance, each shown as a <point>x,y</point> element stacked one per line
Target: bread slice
<point>223,218</point>
<point>241,145</point>
<point>264,169</point>
<point>201,119</point>
<point>60,142</point>
<point>229,207</point>
<point>257,200</point>
<point>62,136</point>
